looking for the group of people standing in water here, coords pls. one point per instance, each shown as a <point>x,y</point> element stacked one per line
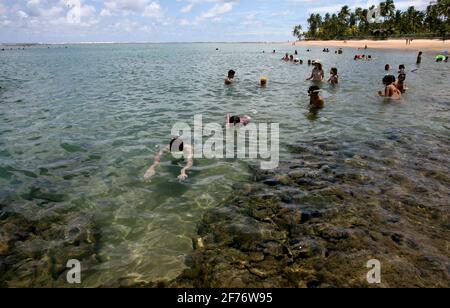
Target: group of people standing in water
<point>394,88</point>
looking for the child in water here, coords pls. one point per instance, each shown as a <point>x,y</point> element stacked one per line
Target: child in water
<point>334,78</point>
<point>401,79</point>
<point>176,148</point>
<point>316,101</point>
<point>230,79</point>
<point>390,90</point>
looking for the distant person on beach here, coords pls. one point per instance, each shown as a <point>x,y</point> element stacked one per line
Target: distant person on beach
<point>334,78</point>
<point>419,58</point>
<point>230,79</point>
<point>316,101</point>
<point>390,90</point>
<point>179,150</point>
<point>317,73</point>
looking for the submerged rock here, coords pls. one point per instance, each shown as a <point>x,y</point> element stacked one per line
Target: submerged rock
<point>318,219</point>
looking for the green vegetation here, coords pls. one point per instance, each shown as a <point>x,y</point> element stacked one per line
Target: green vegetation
<point>363,23</point>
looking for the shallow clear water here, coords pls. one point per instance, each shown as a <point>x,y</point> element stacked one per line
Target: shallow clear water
<point>80,126</point>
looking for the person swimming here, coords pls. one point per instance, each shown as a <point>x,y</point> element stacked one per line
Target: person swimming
<point>334,78</point>
<point>317,73</point>
<point>316,101</point>
<point>263,81</point>
<point>286,57</point>
<point>178,149</point>
<point>237,120</point>
<point>230,79</point>
<point>390,89</point>
<point>387,67</point>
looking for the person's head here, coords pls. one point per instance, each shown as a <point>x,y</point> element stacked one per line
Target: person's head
<point>334,71</point>
<point>387,67</point>
<point>446,59</point>
<point>309,62</point>
<point>401,67</point>
<point>176,145</point>
<point>263,81</point>
<point>231,74</point>
<point>388,80</point>
<point>318,66</point>
<point>420,53</point>
<point>369,57</point>
<point>291,57</point>
<point>313,91</point>
<point>235,120</point>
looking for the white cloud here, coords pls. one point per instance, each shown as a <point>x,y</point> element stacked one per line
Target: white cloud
<point>187,9</point>
<point>215,12</point>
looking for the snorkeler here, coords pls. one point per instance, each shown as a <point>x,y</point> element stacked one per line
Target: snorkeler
<point>334,78</point>
<point>177,148</point>
<point>237,120</point>
<point>390,90</point>
<point>316,101</point>
<point>230,79</point>
<point>317,73</point>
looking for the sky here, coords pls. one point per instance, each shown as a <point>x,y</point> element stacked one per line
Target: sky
<point>74,21</point>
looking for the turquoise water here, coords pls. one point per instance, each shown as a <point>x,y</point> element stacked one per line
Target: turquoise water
<point>80,126</point>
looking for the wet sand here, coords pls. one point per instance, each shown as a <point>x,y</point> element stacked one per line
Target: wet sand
<point>425,45</point>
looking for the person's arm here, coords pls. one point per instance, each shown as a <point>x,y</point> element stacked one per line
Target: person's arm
<point>152,170</point>
<point>312,76</point>
<point>190,162</point>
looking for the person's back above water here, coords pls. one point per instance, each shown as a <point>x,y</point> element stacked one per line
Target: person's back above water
<point>315,101</point>
<point>230,79</point>
<point>390,90</point>
<point>237,121</point>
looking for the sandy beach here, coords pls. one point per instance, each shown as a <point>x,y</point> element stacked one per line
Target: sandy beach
<point>430,45</point>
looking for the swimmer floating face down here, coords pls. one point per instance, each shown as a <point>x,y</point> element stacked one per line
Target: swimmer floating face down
<point>178,148</point>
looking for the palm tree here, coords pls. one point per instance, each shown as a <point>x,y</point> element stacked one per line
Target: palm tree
<point>297,31</point>
<point>387,9</point>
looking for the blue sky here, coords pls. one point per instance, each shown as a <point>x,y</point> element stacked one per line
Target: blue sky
<point>60,21</point>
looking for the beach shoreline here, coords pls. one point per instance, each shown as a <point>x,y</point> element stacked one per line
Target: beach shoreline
<point>418,44</point>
